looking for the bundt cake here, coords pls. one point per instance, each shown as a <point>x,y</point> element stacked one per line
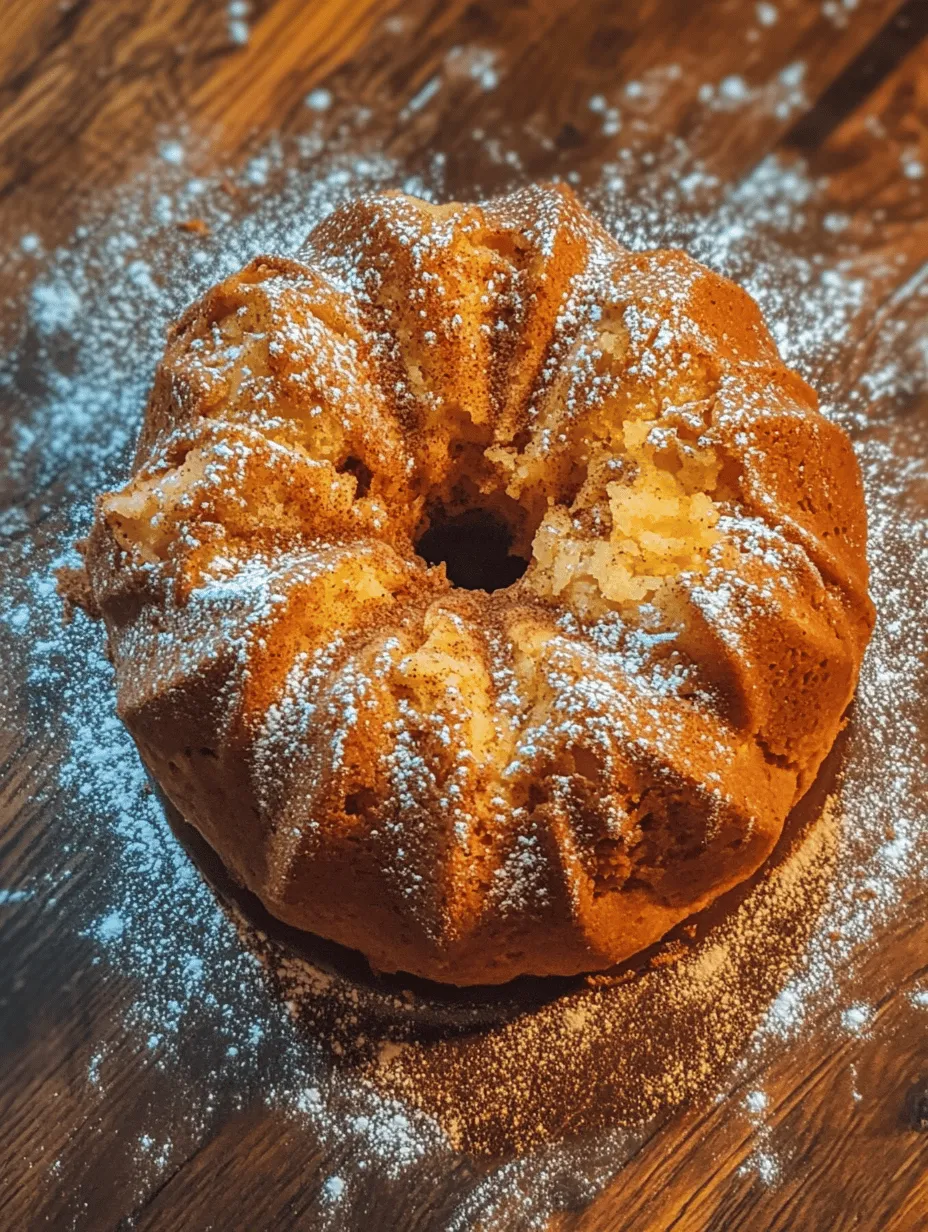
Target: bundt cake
<point>484,593</point>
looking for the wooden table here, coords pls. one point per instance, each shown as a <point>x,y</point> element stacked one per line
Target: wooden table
<point>87,89</point>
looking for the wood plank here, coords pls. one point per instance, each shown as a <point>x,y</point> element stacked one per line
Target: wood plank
<point>168,65</point>
<point>878,60</point>
<point>841,1115</point>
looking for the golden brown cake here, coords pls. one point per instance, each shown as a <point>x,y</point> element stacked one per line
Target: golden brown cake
<point>484,593</point>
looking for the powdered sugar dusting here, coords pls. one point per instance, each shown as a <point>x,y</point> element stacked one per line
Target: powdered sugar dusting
<point>401,1110</point>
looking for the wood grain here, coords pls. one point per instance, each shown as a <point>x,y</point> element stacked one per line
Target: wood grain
<point>87,89</point>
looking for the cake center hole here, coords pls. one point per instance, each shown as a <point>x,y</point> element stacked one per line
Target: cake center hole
<point>475,549</point>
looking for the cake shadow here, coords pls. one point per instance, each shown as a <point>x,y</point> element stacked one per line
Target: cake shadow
<point>307,967</point>
<point>329,986</point>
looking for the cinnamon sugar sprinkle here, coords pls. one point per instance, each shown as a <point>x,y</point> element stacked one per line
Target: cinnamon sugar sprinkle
<point>548,1103</point>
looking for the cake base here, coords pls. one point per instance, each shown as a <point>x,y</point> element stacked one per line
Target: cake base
<point>319,978</point>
